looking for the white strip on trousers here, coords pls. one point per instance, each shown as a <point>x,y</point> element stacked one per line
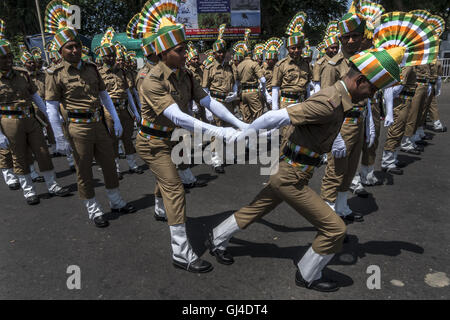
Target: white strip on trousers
<point>182,250</point>
<point>93,207</point>
<point>33,172</point>
<point>27,185</point>
<point>186,176</point>
<point>9,176</point>
<point>49,177</point>
<point>131,161</point>
<point>115,199</point>
<point>160,210</point>
<point>388,159</point>
<point>224,232</point>
<point>117,164</point>
<point>69,157</point>
<point>342,207</point>
<point>312,264</point>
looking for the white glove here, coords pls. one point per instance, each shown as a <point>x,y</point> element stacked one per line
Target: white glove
<point>339,150</point>
<point>430,88</point>
<point>370,126</point>
<point>62,145</point>
<point>209,115</point>
<point>268,98</point>
<point>4,143</point>
<point>438,86</point>
<point>396,90</point>
<point>231,97</point>
<point>194,107</point>
<point>118,130</point>
<point>389,101</point>
<point>275,92</point>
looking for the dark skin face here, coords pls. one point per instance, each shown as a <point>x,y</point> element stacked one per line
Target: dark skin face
<point>175,58</point>
<point>30,65</point>
<point>295,52</point>
<point>366,44</point>
<point>6,62</point>
<point>236,62</point>
<point>359,87</point>
<point>195,62</point>
<point>219,56</point>
<point>110,59</point>
<point>351,42</point>
<point>271,62</point>
<point>121,63</point>
<point>71,52</point>
<point>332,50</point>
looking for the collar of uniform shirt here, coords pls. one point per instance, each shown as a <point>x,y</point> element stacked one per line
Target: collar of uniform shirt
<point>347,101</point>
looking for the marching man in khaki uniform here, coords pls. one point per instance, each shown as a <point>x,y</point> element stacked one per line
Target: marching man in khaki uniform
<point>78,86</point>
<point>167,92</point>
<point>219,82</point>
<point>434,113</point>
<point>314,124</point>
<point>248,74</point>
<point>331,44</point>
<point>344,157</point>
<point>291,74</point>
<point>271,46</point>
<point>116,83</point>
<point>19,129</point>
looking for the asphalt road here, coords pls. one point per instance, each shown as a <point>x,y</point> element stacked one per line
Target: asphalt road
<point>405,234</point>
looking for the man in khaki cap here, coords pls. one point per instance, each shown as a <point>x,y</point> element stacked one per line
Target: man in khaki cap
<point>79,87</point>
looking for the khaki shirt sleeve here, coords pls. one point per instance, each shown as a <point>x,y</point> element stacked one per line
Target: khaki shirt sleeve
<point>101,83</point>
<point>259,71</point>
<point>156,94</point>
<point>198,91</point>
<point>312,111</point>
<point>276,78</point>
<point>32,89</point>
<point>205,81</point>
<point>53,90</point>
<point>328,76</point>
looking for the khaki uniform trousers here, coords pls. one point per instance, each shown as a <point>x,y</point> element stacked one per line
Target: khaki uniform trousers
<point>424,111</point>
<point>158,157</point>
<point>91,140</point>
<point>417,104</point>
<point>251,106</point>
<point>395,132</point>
<point>339,173</point>
<point>127,136</point>
<point>48,128</point>
<point>23,135</point>
<point>369,154</point>
<point>6,160</point>
<point>434,113</point>
<point>291,185</point>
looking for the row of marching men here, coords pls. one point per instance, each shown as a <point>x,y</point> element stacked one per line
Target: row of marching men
<point>336,120</point>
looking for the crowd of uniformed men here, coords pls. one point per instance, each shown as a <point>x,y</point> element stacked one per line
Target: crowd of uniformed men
<point>371,66</point>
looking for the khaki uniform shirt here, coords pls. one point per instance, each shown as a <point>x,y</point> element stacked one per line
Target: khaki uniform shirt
<point>318,68</point>
<point>249,72</point>
<point>336,68</point>
<point>38,79</point>
<point>16,89</point>
<point>75,88</point>
<point>435,71</point>
<point>218,77</point>
<point>268,74</point>
<point>197,72</point>
<point>422,71</point>
<point>162,88</point>
<point>115,81</point>
<point>316,122</point>
<point>291,76</point>
<point>142,73</point>
<point>409,77</point>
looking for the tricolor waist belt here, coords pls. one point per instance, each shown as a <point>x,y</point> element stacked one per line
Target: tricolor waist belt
<point>12,112</point>
<point>150,130</point>
<point>300,157</point>
<point>422,80</point>
<point>291,97</point>
<point>218,95</point>
<point>406,94</point>
<point>354,116</point>
<point>83,116</point>
<point>120,104</point>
